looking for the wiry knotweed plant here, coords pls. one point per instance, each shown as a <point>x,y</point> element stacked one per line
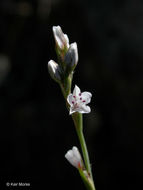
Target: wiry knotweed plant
<point>62,73</point>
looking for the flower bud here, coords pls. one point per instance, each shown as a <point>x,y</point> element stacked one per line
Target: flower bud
<point>54,70</point>
<point>71,57</point>
<point>74,157</point>
<point>61,39</point>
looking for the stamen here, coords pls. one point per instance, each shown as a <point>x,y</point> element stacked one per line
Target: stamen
<point>72,102</point>
<point>83,101</point>
<point>74,96</point>
<point>75,105</point>
<point>80,98</point>
<point>79,94</point>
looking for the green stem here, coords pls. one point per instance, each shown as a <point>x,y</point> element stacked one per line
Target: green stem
<point>85,152</point>
<point>66,86</point>
<point>78,121</point>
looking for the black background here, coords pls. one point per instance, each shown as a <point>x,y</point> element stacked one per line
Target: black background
<point>35,128</point>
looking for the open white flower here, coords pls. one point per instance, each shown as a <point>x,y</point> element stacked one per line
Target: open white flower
<point>74,157</point>
<point>61,39</point>
<point>78,101</point>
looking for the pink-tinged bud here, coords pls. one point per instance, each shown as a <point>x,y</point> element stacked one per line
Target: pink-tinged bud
<point>74,157</point>
<point>61,39</point>
<point>54,70</point>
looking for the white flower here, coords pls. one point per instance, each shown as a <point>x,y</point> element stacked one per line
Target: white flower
<point>74,157</point>
<point>54,70</point>
<point>61,39</point>
<point>78,101</point>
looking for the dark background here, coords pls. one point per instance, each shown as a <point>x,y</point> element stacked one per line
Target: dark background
<point>35,128</point>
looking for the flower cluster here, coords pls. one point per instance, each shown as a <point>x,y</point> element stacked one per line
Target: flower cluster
<point>68,58</point>
<point>67,55</point>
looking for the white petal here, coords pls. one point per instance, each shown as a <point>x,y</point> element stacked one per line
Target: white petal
<point>76,91</point>
<point>70,157</point>
<point>86,109</point>
<point>67,40</point>
<point>71,57</point>
<point>86,96</point>
<point>74,49</point>
<point>54,70</point>
<point>58,35</point>
<point>76,153</point>
<point>52,65</point>
<point>60,38</point>
<point>69,99</point>
<point>56,28</point>
<point>72,110</point>
<point>83,109</point>
<point>57,31</point>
